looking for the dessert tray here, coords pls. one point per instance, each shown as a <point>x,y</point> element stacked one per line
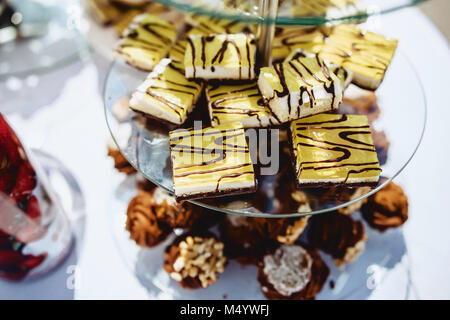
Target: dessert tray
<point>46,36</point>
<point>145,143</point>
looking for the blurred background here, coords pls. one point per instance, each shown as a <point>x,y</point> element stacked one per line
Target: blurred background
<point>437,11</point>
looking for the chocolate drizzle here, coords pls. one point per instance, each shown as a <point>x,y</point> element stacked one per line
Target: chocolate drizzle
<point>361,52</point>
<point>306,73</point>
<point>146,41</point>
<point>151,28</point>
<point>170,83</point>
<point>191,44</point>
<point>221,53</point>
<point>346,146</point>
<point>211,57</point>
<point>215,147</point>
<point>241,100</point>
<point>288,39</point>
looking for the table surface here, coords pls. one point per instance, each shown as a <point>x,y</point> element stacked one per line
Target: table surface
<point>62,113</point>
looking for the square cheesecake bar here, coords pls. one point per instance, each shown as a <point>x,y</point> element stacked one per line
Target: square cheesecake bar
<point>299,87</point>
<point>288,39</point>
<point>344,75</point>
<point>178,50</point>
<point>220,56</point>
<point>366,54</point>
<point>240,102</point>
<point>166,94</point>
<point>146,41</point>
<point>332,149</point>
<point>211,162</point>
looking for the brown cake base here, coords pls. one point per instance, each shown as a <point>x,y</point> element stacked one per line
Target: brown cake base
<point>218,194</point>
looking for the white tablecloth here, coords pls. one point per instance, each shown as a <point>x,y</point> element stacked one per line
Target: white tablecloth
<point>63,115</point>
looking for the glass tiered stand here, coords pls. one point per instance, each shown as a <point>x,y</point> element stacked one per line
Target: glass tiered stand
<point>145,145</point>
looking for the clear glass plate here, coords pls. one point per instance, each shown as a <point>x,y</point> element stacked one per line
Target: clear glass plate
<point>292,12</point>
<point>385,257</point>
<point>145,143</point>
<point>59,44</point>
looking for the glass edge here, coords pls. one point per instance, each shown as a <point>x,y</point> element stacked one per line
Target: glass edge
<point>283,20</point>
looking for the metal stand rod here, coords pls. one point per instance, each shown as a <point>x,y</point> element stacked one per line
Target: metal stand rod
<point>268,10</point>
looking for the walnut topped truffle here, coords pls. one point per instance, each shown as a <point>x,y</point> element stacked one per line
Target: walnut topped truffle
<point>292,272</point>
<point>388,208</point>
<point>195,261</point>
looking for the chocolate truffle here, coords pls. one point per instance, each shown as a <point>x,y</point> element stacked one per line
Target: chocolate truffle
<point>175,214</point>
<point>292,272</point>
<point>142,221</point>
<point>338,235</point>
<point>242,241</point>
<point>388,208</point>
<point>195,261</point>
<point>284,230</point>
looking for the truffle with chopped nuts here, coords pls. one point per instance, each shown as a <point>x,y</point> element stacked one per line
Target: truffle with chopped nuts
<point>388,208</point>
<point>338,235</point>
<point>292,272</point>
<point>195,261</point>
<point>142,221</point>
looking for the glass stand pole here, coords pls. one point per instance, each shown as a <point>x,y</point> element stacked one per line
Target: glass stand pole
<point>268,11</point>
